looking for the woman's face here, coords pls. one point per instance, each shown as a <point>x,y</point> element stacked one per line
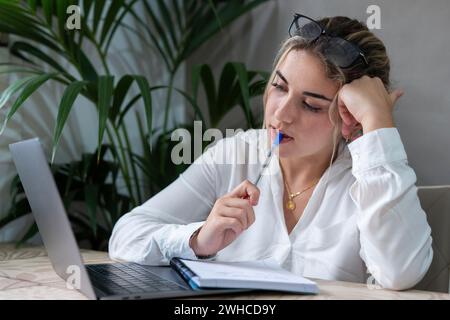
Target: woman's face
<point>297,105</point>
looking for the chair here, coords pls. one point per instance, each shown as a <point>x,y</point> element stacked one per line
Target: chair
<point>435,201</point>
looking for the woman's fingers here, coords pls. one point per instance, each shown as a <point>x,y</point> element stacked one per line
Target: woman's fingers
<point>230,213</point>
<point>347,118</point>
<point>231,223</point>
<point>241,207</point>
<point>395,95</point>
<point>246,190</point>
<point>349,122</point>
<point>345,114</point>
<point>236,213</point>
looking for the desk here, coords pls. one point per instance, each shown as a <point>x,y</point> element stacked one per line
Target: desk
<point>26,273</point>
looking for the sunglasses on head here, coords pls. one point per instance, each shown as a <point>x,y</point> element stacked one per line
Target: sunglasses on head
<point>339,51</point>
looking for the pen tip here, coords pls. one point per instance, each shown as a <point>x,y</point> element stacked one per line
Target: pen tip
<point>278,139</point>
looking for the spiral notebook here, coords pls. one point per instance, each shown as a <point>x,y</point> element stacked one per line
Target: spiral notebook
<point>258,275</point>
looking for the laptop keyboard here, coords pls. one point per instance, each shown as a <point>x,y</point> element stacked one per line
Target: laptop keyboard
<point>123,279</point>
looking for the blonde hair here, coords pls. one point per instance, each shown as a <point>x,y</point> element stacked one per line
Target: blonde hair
<point>355,32</point>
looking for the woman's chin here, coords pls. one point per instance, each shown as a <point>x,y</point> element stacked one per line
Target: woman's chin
<point>286,150</point>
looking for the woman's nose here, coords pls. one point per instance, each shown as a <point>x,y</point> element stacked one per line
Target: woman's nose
<point>285,111</point>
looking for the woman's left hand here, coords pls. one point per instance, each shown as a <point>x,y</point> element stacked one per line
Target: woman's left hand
<point>365,102</point>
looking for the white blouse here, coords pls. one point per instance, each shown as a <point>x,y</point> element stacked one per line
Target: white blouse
<point>363,219</point>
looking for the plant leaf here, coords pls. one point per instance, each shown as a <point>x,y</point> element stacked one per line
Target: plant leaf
<point>91,195</point>
<point>47,7</point>
<point>168,21</point>
<point>193,104</point>
<point>18,47</point>
<point>160,31</point>
<point>204,73</point>
<point>29,88</point>
<point>13,88</point>
<point>17,209</point>
<point>209,86</point>
<point>242,75</point>
<point>64,34</point>
<point>105,94</point>
<point>227,79</point>
<point>98,10</point>
<point>120,93</point>
<point>87,69</point>
<point>32,4</point>
<point>111,17</point>
<point>204,26</point>
<point>145,93</point>
<point>127,108</point>
<point>19,20</point>
<point>65,106</point>
<point>87,5</point>
<point>144,88</point>
<point>117,23</point>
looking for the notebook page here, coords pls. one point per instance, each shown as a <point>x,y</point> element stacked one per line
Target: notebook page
<point>263,270</point>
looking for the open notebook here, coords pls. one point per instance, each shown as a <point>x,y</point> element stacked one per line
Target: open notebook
<point>263,274</point>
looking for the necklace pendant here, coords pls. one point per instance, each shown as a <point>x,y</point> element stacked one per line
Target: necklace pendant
<point>290,205</point>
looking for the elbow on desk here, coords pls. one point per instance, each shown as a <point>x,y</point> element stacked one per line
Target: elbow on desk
<point>122,249</point>
<point>131,242</point>
<point>117,247</point>
<point>122,245</point>
<point>399,279</point>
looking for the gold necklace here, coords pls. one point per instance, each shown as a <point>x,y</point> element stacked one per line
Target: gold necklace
<point>290,204</point>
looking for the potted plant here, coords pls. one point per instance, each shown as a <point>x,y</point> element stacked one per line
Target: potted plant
<point>176,30</point>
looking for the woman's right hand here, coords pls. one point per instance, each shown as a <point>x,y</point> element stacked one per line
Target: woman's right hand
<point>231,215</point>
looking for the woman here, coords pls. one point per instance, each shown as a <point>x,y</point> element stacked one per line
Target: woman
<point>341,200</point>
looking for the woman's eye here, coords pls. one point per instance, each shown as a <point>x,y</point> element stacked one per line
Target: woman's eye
<point>278,86</point>
<point>311,108</point>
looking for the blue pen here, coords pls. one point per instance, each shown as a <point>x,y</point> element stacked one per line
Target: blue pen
<point>275,144</point>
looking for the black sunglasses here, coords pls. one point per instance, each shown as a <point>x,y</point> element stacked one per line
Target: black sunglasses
<point>341,52</point>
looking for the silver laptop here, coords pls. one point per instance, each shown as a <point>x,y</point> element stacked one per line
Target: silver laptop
<point>95,281</point>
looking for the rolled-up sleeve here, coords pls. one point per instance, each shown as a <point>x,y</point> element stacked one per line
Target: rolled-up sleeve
<point>160,228</point>
<point>394,234</point>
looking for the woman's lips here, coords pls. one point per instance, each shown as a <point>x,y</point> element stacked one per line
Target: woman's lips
<point>285,138</point>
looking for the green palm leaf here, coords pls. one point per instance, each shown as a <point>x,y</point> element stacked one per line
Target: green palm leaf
<point>28,89</point>
<point>13,88</point>
<point>144,88</point>
<point>205,26</point>
<point>65,106</point>
<point>111,16</point>
<point>203,74</point>
<point>120,93</point>
<point>18,48</point>
<point>105,94</point>
<point>91,196</point>
<point>18,20</point>
<point>98,11</point>
<point>243,81</point>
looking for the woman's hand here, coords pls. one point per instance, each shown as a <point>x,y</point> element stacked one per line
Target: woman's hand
<point>365,102</point>
<point>229,217</point>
